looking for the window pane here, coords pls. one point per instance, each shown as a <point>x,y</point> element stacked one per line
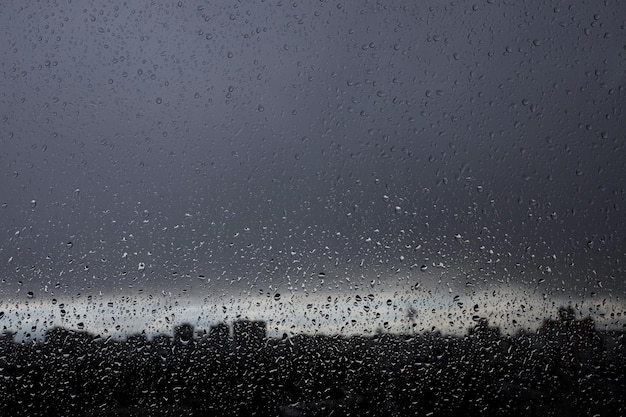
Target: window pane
<point>312,208</point>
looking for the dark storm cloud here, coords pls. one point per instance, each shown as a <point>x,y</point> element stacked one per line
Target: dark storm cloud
<point>146,144</point>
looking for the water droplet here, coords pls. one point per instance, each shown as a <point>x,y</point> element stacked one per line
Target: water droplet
<point>159,100</point>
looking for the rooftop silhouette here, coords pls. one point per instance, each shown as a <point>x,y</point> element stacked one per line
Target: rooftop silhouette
<point>567,367</point>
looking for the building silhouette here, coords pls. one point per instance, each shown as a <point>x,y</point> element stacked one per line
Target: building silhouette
<point>219,336</point>
<point>249,334</point>
<point>183,334</point>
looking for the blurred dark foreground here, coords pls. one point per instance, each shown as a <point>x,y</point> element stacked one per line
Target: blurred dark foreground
<point>566,368</point>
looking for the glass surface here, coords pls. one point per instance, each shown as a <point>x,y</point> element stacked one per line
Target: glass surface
<point>307,208</point>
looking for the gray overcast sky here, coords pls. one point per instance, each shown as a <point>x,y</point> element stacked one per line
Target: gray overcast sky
<point>148,143</point>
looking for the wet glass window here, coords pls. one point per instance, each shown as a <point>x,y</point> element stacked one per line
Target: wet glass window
<point>312,208</point>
